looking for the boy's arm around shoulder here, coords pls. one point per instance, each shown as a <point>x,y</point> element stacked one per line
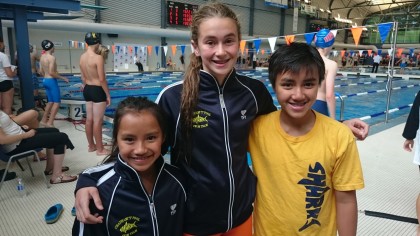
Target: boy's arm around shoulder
<point>91,176</point>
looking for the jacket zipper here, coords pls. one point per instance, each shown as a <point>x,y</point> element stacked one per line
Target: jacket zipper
<point>229,161</point>
<point>154,219</point>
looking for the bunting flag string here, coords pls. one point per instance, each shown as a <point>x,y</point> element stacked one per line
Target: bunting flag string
<point>133,50</point>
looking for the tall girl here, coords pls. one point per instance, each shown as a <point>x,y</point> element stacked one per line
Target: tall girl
<point>142,195</point>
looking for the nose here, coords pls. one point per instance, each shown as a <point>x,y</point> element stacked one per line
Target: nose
<point>220,50</point>
<point>140,148</point>
<point>298,93</point>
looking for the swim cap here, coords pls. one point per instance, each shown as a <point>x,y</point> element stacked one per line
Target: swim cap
<point>324,38</point>
<point>91,38</point>
<point>47,44</point>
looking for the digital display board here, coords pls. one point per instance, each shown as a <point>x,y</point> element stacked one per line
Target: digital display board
<point>180,14</point>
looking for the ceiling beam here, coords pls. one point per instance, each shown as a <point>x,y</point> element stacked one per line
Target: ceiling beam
<point>44,5</point>
<point>372,5</point>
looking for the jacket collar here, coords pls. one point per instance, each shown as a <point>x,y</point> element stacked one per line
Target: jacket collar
<point>208,81</point>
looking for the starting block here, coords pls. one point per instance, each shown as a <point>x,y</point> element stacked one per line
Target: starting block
<point>75,108</point>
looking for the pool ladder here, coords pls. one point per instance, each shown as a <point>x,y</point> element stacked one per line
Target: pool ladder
<point>341,106</point>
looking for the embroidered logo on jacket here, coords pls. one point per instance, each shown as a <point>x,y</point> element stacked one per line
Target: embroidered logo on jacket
<point>200,119</point>
<point>128,225</point>
<point>243,116</point>
<point>173,211</point>
<point>316,187</point>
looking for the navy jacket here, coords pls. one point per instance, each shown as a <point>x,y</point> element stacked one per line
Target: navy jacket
<point>129,210</point>
<point>412,124</point>
<point>221,186</point>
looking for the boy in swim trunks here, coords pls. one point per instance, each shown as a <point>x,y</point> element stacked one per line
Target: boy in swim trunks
<point>325,100</point>
<point>95,92</point>
<point>49,71</point>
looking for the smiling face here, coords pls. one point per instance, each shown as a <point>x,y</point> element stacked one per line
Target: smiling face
<point>296,93</point>
<point>217,45</point>
<point>139,140</point>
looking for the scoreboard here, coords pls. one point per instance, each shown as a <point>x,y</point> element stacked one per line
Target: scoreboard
<point>180,14</point>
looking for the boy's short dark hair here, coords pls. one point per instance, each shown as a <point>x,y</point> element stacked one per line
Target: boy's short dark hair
<point>293,58</point>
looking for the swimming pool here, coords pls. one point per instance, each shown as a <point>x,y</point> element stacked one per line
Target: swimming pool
<point>364,97</point>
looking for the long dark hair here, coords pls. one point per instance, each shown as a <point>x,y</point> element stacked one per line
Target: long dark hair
<point>133,105</point>
<point>189,97</point>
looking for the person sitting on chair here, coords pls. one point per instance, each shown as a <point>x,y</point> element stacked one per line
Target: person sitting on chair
<point>15,139</point>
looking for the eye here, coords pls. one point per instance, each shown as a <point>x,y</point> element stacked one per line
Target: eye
<point>230,41</point>
<point>210,42</point>
<point>286,85</point>
<point>309,84</point>
<point>128,139</point>
<point>151,138</point>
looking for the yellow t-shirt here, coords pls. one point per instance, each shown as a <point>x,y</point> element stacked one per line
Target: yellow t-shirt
<point>297,176</point>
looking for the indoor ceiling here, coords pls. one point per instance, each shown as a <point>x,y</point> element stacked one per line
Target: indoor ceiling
<point>359,10</point>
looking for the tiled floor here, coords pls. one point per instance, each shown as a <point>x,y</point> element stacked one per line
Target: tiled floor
<point>392,185</point>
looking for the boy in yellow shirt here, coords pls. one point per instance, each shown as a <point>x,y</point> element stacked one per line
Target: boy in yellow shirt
<point>307,164</point>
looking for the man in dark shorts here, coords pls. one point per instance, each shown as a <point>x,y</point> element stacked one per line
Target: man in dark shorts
<point>95,92</point>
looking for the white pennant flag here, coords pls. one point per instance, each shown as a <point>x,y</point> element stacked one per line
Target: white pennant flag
<point>334,32</point>
<point>165,49</point>
<point>360,52</point>
<point>272,42</point>
<point>124,49</point>
<point>192,48</point>
<point>335,53</point>
<point>390,51</point>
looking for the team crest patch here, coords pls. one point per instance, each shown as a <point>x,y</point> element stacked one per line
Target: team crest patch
<point>200,119</point>
<point>128,225</point>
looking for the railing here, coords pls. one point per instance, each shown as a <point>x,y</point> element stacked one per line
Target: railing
<point>341,106</point>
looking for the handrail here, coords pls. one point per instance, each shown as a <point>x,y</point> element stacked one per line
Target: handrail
<point>342,105</point>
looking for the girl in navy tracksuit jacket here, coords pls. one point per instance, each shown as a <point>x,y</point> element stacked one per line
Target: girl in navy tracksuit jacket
<point>141,194</point>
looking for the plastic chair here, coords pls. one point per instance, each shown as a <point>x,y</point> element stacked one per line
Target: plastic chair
<point>9,159</point>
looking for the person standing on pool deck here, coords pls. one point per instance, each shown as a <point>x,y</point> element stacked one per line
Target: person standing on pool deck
<point>95,92</point>
<point>49,71</point>
<point>411,131</point>
<point>325,100</point>
<point>209,116</point>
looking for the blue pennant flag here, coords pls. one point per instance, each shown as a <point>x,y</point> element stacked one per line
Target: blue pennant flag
<point>384,30</point>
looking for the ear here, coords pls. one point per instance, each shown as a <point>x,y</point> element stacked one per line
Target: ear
<point>196,50</point>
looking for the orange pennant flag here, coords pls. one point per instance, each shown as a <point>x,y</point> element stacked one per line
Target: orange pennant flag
<point>399,51</point>
<point>369,52</point>
<point>357,32</point>
<point>130,49</point>
<point>113,49</point>
<point>173,47</point>
<point>149,50</point>
<point>246,50</point>
<point>242,46</point>
<point>262,51</point>
<point>342,53</point>
<point>76,44</point>
<point>290,39</point>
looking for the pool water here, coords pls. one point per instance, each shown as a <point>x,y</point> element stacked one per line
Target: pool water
<point>364,97</point>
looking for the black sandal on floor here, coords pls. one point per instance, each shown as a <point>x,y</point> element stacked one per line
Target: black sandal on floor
<point>50,172</point>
